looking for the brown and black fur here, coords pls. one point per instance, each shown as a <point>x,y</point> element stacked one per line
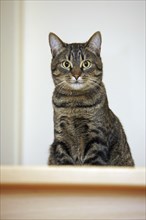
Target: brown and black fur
<point>86,131</point>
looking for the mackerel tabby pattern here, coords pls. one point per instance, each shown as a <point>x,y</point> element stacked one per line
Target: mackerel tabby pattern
<point>86,131</point>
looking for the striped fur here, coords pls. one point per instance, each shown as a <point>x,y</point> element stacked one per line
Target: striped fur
<point>86,131</point>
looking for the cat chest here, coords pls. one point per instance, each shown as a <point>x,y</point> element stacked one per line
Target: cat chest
<point>75,123</point>
<point>76,129</point>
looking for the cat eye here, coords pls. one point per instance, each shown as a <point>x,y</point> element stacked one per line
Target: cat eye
<point>66,64</point>
<point>86,64</point>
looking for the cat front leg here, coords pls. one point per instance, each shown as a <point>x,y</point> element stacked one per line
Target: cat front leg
<point>120,155</point>
<point>59,154</point>
<point>96,153</point>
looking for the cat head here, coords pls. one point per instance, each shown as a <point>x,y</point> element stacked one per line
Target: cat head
<point>76,66</point>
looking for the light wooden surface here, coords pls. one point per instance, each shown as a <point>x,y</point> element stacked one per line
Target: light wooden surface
<point>73,175</point>
<point>72,193</point>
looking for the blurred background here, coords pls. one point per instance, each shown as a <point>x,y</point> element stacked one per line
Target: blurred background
<point>26,82</point>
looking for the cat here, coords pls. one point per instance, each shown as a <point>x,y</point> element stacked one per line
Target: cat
<point>86,131</point>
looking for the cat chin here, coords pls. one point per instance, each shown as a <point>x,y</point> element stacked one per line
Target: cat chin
<point>77,86</point>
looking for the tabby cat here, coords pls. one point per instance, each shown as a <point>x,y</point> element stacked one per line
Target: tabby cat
<point>86,131</point>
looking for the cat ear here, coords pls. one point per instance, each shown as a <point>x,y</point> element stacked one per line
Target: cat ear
<point>56,44</point>
<point>94,43</point>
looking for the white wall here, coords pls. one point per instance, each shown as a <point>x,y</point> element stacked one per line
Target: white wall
<point>10,82</point>
<point>122,26</point>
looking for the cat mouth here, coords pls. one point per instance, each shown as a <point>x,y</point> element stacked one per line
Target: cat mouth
<point>77,85</point>
<point>77,82</point>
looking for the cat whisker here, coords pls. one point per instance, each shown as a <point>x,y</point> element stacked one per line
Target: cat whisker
<point>60,83</point>
<point>93,81</point>
<point>61,86</point>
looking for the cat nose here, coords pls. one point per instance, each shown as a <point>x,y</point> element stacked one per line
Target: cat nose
<point>76,73</point>
<point>76,76</point>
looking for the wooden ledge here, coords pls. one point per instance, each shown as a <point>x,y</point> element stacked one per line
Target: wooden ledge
<point>72,192</point>
<point>71,176</point>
